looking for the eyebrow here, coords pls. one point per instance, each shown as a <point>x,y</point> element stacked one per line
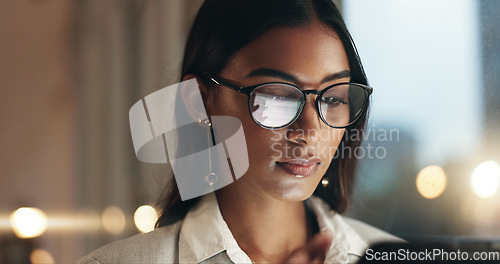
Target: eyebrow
<point>289,77</point>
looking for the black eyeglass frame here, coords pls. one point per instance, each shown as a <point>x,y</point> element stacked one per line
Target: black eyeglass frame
<point>249,89</point>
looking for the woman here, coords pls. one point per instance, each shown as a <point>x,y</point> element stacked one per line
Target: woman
<point>289,71</point>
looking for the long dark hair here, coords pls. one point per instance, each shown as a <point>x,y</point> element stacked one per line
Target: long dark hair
<point>221,28</point>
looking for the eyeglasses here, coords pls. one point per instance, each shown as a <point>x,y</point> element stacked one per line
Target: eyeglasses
<point>277,105</point>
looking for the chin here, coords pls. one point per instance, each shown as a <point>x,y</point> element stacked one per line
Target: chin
<point>294,194</point>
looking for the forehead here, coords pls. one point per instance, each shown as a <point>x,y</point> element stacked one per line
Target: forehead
<point>308,52</point>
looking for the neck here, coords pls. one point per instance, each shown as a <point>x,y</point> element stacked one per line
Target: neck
<point>266,229</point>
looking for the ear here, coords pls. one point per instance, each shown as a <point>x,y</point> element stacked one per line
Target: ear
<point>198,110</point>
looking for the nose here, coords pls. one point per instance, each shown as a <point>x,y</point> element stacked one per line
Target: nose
<point>307,126</point>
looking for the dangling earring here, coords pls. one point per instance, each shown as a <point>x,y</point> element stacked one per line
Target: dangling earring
<point>324,182</point>
<point>211,177</point>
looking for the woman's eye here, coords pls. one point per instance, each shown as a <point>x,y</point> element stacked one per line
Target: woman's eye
<point>333,100</point>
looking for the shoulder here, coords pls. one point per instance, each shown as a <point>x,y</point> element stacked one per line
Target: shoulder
<point>158,246</point>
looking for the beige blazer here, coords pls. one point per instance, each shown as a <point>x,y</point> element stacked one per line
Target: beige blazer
<point>203,237</point>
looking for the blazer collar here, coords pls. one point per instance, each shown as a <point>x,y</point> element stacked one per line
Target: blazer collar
<point>204,233</point>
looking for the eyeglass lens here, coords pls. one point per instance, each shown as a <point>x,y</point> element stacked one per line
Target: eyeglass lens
<point>277,105</point>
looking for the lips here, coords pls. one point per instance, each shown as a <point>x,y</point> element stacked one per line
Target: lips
<point>300,167</point>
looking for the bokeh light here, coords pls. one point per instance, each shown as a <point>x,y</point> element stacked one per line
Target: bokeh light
<point>145,218</point>
<point>40,256</point>
<point>113,220</point>
<point>28,222</point>
<point>431,182</point>
<point>88,220</point>
<point>4,222</point>
<point>324,182</point>
<point>485,179</point>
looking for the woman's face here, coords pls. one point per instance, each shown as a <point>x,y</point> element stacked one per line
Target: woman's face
<point>287,163</point>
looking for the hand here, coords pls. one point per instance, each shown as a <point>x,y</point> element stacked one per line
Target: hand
<point>314,251</point>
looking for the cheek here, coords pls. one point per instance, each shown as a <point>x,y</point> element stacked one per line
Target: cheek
<point>230,103</point>
<point>338,134</point>
<point>236,105</point>
<point>259,140</point>
<point>329,141</point>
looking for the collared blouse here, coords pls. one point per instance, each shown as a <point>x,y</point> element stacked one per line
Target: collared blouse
<point>204,237</point>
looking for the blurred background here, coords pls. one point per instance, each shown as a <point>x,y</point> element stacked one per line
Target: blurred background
<point>71,70</point>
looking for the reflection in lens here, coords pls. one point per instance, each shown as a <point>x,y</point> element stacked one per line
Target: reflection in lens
<point>275,105</point>
<point>343,104</point>
<point>334,105</point>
